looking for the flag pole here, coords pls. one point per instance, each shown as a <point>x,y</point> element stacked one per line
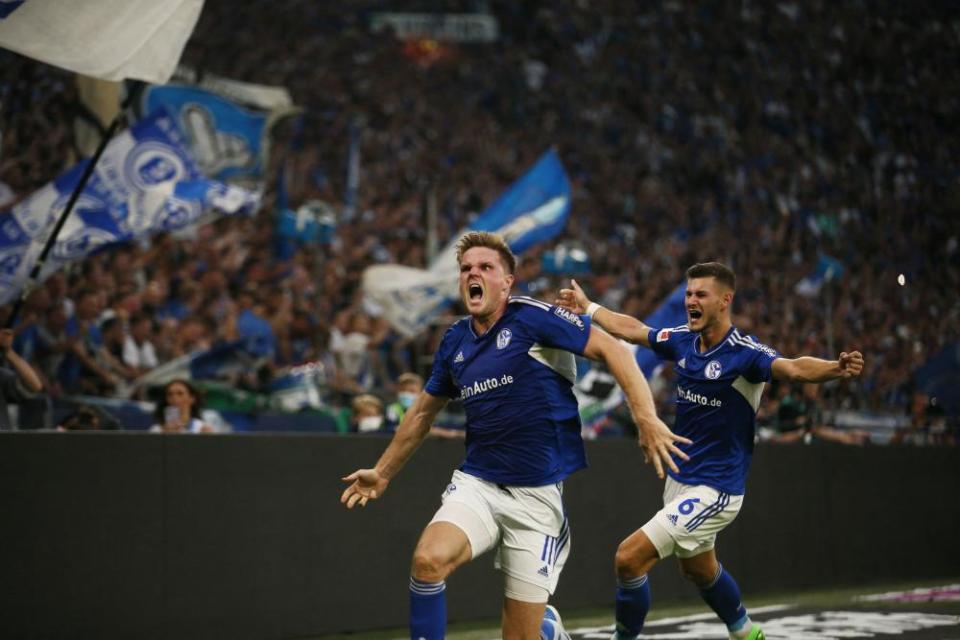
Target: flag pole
<point>34,276</point>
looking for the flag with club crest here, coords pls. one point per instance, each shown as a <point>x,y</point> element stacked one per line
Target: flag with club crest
<point>145,183</point>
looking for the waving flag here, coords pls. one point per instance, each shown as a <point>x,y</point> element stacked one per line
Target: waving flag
<point>250,94</point>
<point>146,182</point>
<point>670,313</point>
<point>227,140</point>
<point>108,39</point>
<point>532,210</point>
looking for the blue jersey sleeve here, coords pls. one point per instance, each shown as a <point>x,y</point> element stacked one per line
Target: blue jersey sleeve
<point>759,366</point>
<point>666,342</point>
<point>441,382</point>
<point>559,328</point>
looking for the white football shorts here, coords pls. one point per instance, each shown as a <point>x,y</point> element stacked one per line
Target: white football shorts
<point>691,518</point>
<point>526,525</point>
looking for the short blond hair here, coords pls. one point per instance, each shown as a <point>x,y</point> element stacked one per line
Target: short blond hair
<point>490,241</point>
<point>410,378</point>
<point>366,400</point>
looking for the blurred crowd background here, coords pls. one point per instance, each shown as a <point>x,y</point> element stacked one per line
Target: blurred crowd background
<point>811,146</point>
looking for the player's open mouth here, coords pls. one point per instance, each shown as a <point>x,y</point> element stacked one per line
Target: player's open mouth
<point>475,291</point>
<point>694,314</point>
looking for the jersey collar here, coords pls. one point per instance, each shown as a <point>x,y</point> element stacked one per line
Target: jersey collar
<point>723,341</point>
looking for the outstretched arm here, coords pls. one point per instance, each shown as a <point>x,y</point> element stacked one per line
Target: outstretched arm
<point>810,369</point>
<point>618,324</point>
<point>369,484</point>
<point>656,439</point>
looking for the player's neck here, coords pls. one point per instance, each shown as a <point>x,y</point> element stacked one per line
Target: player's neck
<point>713,334</point>
<point>482,324</point>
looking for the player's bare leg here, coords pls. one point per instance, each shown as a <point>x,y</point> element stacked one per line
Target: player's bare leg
<point>521,620</point>
<point>636,555</point>
<point>442,548</point>
<point>701,570</point>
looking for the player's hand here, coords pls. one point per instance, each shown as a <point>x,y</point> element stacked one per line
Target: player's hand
<point>851,364</point>
<point>366,484</point>
<point>573,299</point>
<point>659,446</point>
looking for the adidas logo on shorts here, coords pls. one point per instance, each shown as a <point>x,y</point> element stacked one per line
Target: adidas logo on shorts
<point>544,571</point>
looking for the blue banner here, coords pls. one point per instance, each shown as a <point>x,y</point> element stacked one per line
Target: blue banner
<point>826,270</point>
<point>226,139</point>
<point>670,313</point>
<point>146,182</point>
<point>533,209</point>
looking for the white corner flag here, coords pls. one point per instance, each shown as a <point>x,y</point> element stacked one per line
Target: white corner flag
<point>108,39</point>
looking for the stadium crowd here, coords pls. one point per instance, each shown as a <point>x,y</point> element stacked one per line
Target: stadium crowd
<point>775,137</point>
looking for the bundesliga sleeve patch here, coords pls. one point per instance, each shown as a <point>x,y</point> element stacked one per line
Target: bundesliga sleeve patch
<point>663,335</point>
<point>569,316</point>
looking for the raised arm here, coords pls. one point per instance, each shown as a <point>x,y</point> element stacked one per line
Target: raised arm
<point>810,369</point>
<point>618,324</point>
<point>369,484</point>
<point>656,439</point>
<point>31,381</point>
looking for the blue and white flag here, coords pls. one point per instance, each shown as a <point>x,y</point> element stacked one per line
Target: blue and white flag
<point>227,140</point>
<point>146,182</point>
<point>218,362</point>
<point>827,269</point>
<point>107,39</point>
<point>533,210</point>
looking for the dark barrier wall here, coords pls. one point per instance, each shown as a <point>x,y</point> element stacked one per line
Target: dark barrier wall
<point>137,535</point>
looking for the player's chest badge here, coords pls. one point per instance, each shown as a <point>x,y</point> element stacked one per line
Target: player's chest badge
<point>713,370</point>
<point>503,338</point>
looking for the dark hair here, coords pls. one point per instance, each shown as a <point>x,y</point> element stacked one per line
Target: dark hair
<point>109,324</point>
<point>162,401</point>
<point>721,272</point>
<point>490,241</point>
<point>84,418</point>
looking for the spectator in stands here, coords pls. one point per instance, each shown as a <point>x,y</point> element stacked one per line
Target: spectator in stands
<point>16,385</point>
<point>408,386</point>
<point>367,414</point>
<point>178,410</point>
<point>799,418</point>
<point>87,417</point>
<point>927,423</point>
<point>138,351</point>
<point>80,371</point>
<point>300,341</point>
<point>83,419</point>
<point>353,356</point>
<point>685,145</point>
<point>193,333</point>
<point>110,353</point>
<point>252,325</point>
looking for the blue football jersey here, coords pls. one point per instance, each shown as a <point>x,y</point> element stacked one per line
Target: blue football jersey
<point>718,394</point>
<point>516,385</point>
